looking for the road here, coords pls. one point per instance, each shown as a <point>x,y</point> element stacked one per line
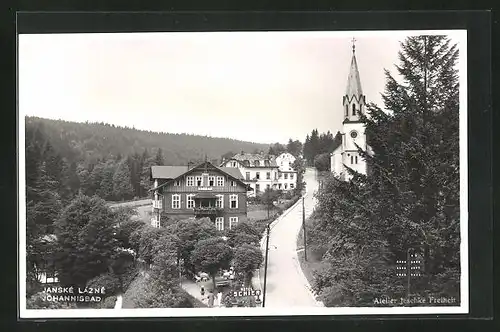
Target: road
<point>286,284</point>
<point>143,208</point>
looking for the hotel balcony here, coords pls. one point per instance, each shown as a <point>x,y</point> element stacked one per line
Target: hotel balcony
<point>157,204</point>
<point>207,211</point>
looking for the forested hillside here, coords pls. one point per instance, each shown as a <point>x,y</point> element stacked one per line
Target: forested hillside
<point>112,162</point>
<point>91,141</point>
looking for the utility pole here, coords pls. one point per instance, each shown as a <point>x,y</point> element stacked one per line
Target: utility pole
<point>265,266</point>
<point>304,228</point>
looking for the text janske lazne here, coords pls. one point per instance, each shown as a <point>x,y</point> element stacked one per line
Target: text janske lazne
<point>72,290</point>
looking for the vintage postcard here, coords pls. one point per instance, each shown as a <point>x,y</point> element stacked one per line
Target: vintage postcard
<point>243,173</point>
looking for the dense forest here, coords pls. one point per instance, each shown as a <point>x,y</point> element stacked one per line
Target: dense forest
<point>113,162</point>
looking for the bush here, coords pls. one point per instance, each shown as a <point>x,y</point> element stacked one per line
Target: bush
<point>109,281</point>
<point>39,301</point>
<point>126,278</point>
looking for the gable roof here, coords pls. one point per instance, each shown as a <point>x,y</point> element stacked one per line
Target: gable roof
<point>171,173</point>
<point>167,172</point>
<point>252,157</point>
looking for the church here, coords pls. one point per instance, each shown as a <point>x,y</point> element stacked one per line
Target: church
<point>353,128</point>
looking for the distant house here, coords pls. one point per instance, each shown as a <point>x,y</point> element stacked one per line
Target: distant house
<point>205,190</point>
<point>262,171</point>
<point>287,177</point>
<point>45,270</point>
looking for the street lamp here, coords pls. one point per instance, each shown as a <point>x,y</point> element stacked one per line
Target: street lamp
<point>265,265</point>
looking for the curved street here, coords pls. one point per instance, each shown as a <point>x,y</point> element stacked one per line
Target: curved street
<point>286,284</point>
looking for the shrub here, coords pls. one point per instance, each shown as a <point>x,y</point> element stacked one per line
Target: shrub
<point>39,301</point>
<point>126,278</point>
<point>109,281</point>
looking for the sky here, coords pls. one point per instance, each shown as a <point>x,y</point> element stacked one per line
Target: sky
<point>254,86</point>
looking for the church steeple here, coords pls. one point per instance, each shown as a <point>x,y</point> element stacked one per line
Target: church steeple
<point>353,100</point>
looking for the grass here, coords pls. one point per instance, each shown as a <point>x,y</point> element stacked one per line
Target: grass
<point>134,291</point>
<point>313,261</point>
<point>259,212</point>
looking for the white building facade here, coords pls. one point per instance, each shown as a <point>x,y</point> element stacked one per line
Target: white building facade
<point>287,175</point>
<point>353,129</point>
<point>261,171</point>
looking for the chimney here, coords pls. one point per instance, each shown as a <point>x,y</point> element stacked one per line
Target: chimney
<point>242,152</point>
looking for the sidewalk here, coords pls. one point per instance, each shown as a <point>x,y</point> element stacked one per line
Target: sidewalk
<point>194,289</point>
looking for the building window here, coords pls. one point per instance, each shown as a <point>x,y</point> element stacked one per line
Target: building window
<point>268,186</point>
<point>279,175</point>
<point>190,181</point>
<point>286,176</point>
<point>291,176</point>
<point>190,201</point>
<point>256,163</point>
<point>176,201</point>
<point>156,223</point>
<point>233,164</point>
<point>219,203</point>
<point>219,223</point>
<point>211,181</point>
<point>291,186</point>
<point>257,175</point>
<point>233,201</point>
<point>199,181</point>
<point>285,185</point>
<point>257,188</point>
<point>268,175</point>
<point>247,175</point>
<point>232,222</point>
<point>279,186</point>
<point>233,183</point>
<point>220,181</point>
<point>267,163</point>
<point>246,162</point>
<point>353,109</point>
<point>177,183</point>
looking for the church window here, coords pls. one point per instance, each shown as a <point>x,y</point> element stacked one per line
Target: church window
<point>352,159</point>
<point>353,109</point>
<point>356,159</point>
<point>346,110</point>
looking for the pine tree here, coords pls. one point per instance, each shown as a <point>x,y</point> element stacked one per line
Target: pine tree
<point>105,190</point>
<point>159,158</point>
<point>87,245</point>
<point>122,186</point>
<point>146,175</point>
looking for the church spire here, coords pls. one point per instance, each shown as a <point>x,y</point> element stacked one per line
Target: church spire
<point>353,80</point>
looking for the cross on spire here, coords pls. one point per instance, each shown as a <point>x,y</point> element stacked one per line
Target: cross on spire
<point>353,41</point>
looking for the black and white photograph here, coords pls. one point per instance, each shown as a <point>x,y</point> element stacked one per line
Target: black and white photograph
<point>257,173</point>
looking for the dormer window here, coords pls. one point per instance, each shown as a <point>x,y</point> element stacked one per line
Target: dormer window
<point>256,163</point>
<point>246,162</point>
<point>267,163</point>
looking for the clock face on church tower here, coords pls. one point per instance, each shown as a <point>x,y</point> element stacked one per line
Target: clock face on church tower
<point>354,134</point>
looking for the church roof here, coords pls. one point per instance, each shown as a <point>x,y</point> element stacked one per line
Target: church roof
<point>353,80</point>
